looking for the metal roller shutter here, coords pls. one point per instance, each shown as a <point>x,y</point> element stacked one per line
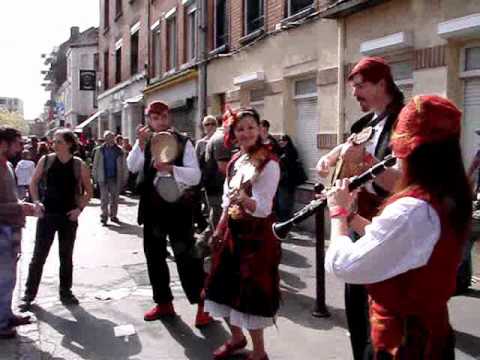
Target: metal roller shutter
<point>307,127</point>
<point>471,120</point>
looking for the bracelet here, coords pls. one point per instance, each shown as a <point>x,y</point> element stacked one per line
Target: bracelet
<point>339,212</point>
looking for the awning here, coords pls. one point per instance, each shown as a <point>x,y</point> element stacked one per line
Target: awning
<point>89,121</point>
<point>134,100</point>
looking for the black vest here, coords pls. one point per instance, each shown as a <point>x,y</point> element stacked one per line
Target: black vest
<point>147,175</point>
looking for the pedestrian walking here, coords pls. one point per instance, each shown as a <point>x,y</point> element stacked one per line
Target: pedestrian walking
<point>243,286</point>
<point>110,172</point>
<point>163,214</point>
<point>408,255</point>
<point>12,219</point>
<point>67,190</point>
<point>24,172</point>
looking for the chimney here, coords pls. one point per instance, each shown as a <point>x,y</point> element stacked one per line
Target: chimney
<point>74,32</point>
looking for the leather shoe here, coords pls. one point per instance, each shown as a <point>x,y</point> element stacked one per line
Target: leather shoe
<point>17,320</point>
<point>228,348</point>
<point>159,311</point>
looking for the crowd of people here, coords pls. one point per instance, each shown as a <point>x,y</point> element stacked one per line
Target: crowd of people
<point>397,243</point>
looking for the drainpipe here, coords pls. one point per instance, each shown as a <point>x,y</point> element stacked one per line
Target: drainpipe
<point>202,63</point>
<point>149,46</point>
<point>341,79</point>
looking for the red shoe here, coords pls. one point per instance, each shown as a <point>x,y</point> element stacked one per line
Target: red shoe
<point>228,348</point>
<point>202,318</point>
<point>159,311</point>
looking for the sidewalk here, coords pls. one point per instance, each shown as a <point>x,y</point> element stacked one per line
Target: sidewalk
<point>111,282</point>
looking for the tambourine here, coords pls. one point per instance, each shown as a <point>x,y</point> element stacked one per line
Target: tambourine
<point>164,147</point>
<point>343,169</point>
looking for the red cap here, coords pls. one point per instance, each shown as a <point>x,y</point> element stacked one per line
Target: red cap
<point>156,107</point>
<point>425,119</point>
<point>372,69</point>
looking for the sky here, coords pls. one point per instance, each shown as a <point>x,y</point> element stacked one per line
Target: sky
<point>29,28</point>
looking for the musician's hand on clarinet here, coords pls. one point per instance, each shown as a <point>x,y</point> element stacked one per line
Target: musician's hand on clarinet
<point>163,167</point>
<point>340,196</point>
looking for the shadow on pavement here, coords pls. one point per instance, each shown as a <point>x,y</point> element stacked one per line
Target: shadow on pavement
<point>303,241</point>
<point>473,293</point>
<point>467,343</point>
<point>291,258</point>
<point>292,280</point>
<point>126,229</point>
<point>88,336</point>
<point>196,347</point>
<point>298,308</point>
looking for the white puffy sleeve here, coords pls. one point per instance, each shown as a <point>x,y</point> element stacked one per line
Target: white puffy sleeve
<point>400,239</point>
<point>135,158</point>
<point>265,188</point>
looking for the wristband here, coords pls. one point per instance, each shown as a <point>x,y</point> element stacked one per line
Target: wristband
<point>339,212</point>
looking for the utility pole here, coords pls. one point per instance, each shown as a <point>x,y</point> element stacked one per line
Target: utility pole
<point>202,63</point>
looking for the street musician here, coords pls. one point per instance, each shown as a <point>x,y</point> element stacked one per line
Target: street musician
<point>374,89</point>
<point>167,166</point>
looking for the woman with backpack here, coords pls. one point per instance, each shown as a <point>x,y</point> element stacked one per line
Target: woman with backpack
<point>67,189</point>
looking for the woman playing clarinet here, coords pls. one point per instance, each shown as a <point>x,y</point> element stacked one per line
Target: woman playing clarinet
<point>243,286</point>
<point>409,254</point>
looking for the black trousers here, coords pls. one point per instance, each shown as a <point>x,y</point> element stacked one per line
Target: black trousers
<point>46,229</point>
<point>356,310</point>
<point>176,223</point>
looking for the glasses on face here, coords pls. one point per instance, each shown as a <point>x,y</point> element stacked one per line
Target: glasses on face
<point>209,124</point>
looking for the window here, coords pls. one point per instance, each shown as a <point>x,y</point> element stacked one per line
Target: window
<point>171,42</point>
<point>254,15</point>
<point>295,6</point>
<point>220,23</point>
<point>305,88</point>
<point>191,32</point>
<point>472,58</point>
<point>118,8</point>
<point>156,53</point>
<point>402,70</point>
<point>106,14</point>
<point>95,61</point>
<point>118,65</point>
<point>134,53</point>
<point>106,69</point>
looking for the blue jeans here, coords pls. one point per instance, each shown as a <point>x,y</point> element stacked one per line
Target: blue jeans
<point>9,249</point>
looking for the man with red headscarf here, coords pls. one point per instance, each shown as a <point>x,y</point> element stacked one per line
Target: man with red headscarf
<point>408,255</point>
<point>374,89</point>
<point>163,214</point>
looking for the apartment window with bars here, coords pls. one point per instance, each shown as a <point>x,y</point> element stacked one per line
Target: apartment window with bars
<point>118,65</point>
<point>221,32</point>
<point>172,42</point>
<point>134,53</point>
<point>295,6</point>
<point>254,15</point>
<point>106,69</point>
<point>191,31</point>
<point>106,14</point>
<point>156,53</point>
<point>472,59</point>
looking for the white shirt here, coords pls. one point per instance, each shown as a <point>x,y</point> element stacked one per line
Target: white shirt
<point>264,186</point>
<point>24,172</point>
<point>400,239</point>
<point>187,175</point>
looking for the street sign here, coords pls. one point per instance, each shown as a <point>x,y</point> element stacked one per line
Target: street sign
<point>87,79</point>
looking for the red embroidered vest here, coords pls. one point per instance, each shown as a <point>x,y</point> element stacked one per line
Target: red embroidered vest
<point>421,294</point>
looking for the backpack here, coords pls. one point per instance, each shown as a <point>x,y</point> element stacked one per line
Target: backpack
<point>77,172</point>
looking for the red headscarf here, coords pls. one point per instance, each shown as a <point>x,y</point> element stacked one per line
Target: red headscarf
<point>425,119</point>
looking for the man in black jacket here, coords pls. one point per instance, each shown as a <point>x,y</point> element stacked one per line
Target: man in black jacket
<point>374,89</point>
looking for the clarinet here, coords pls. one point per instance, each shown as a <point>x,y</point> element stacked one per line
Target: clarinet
<point>281,230</point>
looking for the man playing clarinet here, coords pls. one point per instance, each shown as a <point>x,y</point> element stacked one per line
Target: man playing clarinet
<point>373,87</point>
<point>161,216</point>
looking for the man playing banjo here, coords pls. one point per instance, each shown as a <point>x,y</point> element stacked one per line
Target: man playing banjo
<point>376,92</point>
<point>167,167</point>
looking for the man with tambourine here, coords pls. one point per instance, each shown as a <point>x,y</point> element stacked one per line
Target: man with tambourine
<point>167,167</point>
<point>374,89</point>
